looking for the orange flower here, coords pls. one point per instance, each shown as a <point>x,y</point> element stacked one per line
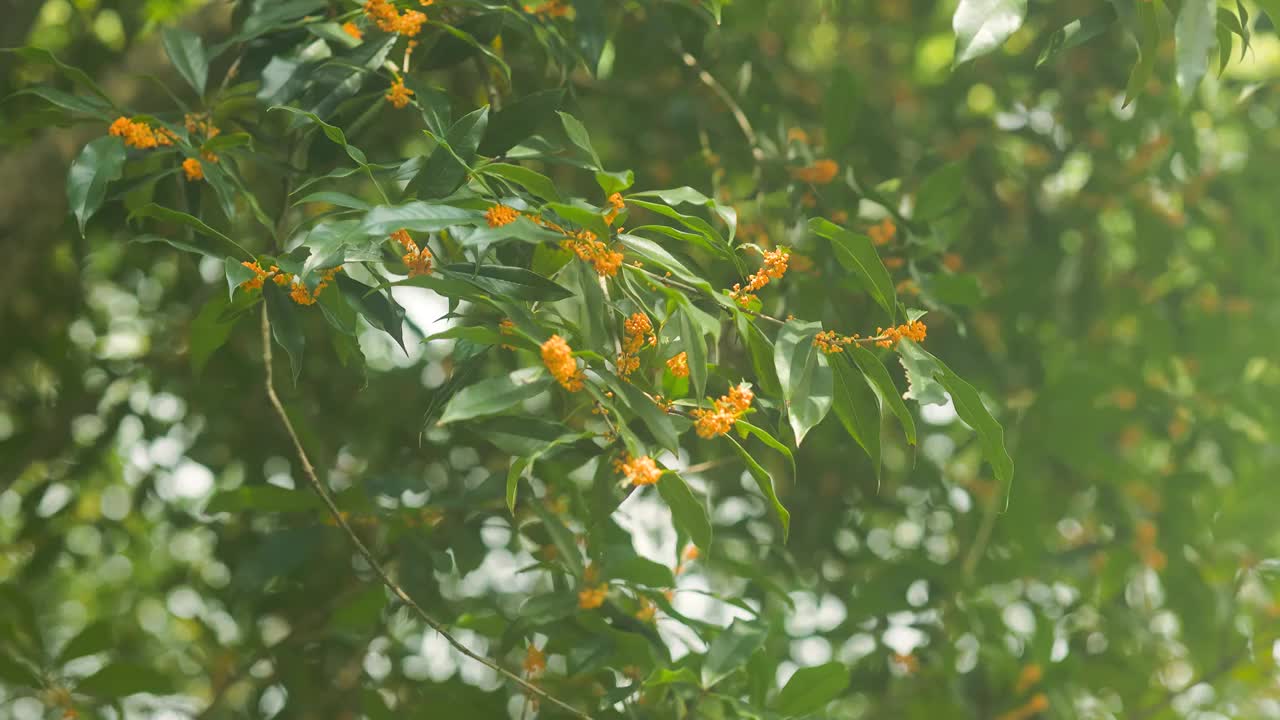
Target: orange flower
<point>1029,676</point>
<point>592,597</point>
<point>679,365</point>
<point>883,232</point>
<point>728,408</point>
<point>641,471</point>
<point>254,283</point>
<point>914,330</point>
<point>398,95</point>
<point>135,134</point>
<point>830,342</point>
<point>691,553</point>
<point>558,357</point>
<point>410,23</point>
<point>647,611</point>
<point>418,260</point>
<point>193,169</point>
<point>500,215</point>
<point>351,29</point>
<point>551,8</point>
<point>819,173</point>
<point>585,245</point>
<point>535,662</point>
<point>615,200</point>
<point>775,266</point>
<point>798,135</point>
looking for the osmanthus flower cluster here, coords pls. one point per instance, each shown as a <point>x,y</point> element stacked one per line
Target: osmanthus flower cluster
<point>643,343</point>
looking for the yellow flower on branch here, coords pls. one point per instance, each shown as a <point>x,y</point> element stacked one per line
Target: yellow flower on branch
<point>399,95</point>
<point>679,365</point>
<point>558,357</point>
<point>193,169</point>
<point>727,410</point>
<point>640,471</point>
<point>500,215</point>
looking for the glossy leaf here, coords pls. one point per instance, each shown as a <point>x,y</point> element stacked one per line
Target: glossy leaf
<point>857,255</point>
<point>730,650</point>
<point>186,52</point>
<point>492,396</point>
<point>98,164</point>
<point>577,133</point>
<point>687,511</point>
<point>805,376</point>
<point>810,689</point>
<point>765,482</point>
<point>535,182</point>
<point>286,325</point>
<point>1194,33</point>
<point>881,382</point>
<point>450,162</point>
<point>857,407</point>
<point>517,121</point>
<point>982,26</point>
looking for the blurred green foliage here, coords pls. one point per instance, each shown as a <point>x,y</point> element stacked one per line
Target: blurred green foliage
<point>1083,205</point>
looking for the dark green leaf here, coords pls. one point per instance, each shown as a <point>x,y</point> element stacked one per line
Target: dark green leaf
<point>95,638</point>
<point>418,216</point>
<point>731,649</point>
<point>857,254</point>
<point>286,325</point>
<point>123,679</point>
<point>237,274</point>
<point>99,163</point>
<point>657,421</point>
<point>450,162</point>
<point>687,512</point>
<point>805,376</point>
<point>494,395</point>
<point>516,122</point>
<point>940,192</point>
<point>765,482</point>
<point>209,331</point>
<point>18,673</point>
<point>186,52</point>
<point>810,689</point>
<point>75,103</point>
<point>535,182</point>
<point>1148,46</point>
<point>263,498</point>
<point>696,347</point>
<point>643,571</point>
<point>1077,32</point>
<point>381,312</point>
<point>857,408</point>
<point>578,135</point>
<point>840,108</point>
<point>881,382</point>
<point>505,281</point>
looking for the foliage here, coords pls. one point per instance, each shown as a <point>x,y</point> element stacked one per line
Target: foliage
<point>462,358</point>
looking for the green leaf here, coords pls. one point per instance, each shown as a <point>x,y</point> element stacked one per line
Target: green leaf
<point>521,436</point>
<point>99,163</point>
<point>688,513</point>
<point>857,254</point>
<point>805,376</point>
<point>940,192</point>
<point>515,123</point>
<point>840,108</point>
<point>263,498</point>
<point>228,141</point>
<point>654,253</point>
<point>17,673</point>
<point>1076,33</point>
<point>878,378</point>
<point>566,544</point>
<point>209,331</point>
<point>671,676</point>
<point>810,689</point>
<point>1194,34</point>
<point>237,274</point>
<point>418,216</point>
<point>765,482</point>
<point>982,26</point>
<point>658,422</point>
<point>78,76</point>
<point>505,281</point>
<point>75,103</point>
<point>381,312</point>
<point>638,570</point>
<point>186,52</point>
<point>450,162</point>
<point>921,367</point>
<point>165,214</point>
<point>123,679</point>
<point>95,638</point>
<point>523,229</point>
<point>731,649</point>
<point>535,182</point>
<point>286,327</point>
<point>519,468</point>
<point>615,182</point>
<point>858,410</point>
<point>925,368</point>
<point>1272,9</point>
<point>745,428</point>
<point>1148,46</point>
<point>578,135</point>
<point>696,348</point>
<point>494,395</point>
<point>333,132</point>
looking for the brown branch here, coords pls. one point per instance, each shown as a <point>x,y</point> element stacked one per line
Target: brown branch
<point>310,472</point>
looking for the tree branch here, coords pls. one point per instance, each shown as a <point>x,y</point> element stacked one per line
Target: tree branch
<point>310,472</point>
<point>736,110</point>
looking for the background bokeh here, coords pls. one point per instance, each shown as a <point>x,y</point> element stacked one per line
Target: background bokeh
<point>1104,273</point>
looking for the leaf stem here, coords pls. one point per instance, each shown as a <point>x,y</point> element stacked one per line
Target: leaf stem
<point>310,472</point>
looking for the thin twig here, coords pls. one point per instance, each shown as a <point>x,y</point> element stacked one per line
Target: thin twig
<point>740,117</point>
<point>310,472</point>
<point>671,282</point>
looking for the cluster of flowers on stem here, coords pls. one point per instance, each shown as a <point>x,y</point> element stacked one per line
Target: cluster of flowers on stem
<point>138,134</point>
<point>398,95</point>
<point>820,172</point>
<point>638,333</point>
<point>831,342</point>
<point>417,259</point>
<point>297,290</point>
<point>558,357</point>
<point>637,471</point>
<point>582,243</point>
<point>388,19</point>
<point>775,266</point>
<point>679,365</point>
<point>728,409</point>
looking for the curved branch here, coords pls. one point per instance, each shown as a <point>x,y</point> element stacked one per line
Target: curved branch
<point>383,575</point>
